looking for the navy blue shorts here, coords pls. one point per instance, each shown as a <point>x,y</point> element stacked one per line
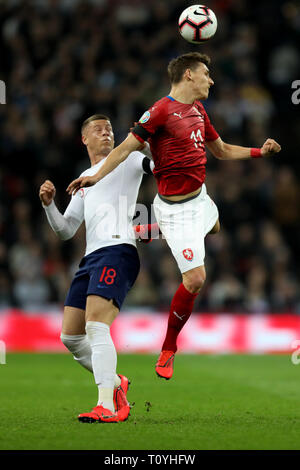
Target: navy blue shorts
<point>109,272</point>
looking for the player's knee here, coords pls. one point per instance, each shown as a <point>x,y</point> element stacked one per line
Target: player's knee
<point>195,282</point>
<point>99,309</point>
<point>103,316</point>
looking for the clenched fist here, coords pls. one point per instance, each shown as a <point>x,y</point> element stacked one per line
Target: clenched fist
<point>47,192</point>
<point>270,147</point>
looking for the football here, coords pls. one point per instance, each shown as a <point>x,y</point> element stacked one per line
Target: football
<point>197,24</point>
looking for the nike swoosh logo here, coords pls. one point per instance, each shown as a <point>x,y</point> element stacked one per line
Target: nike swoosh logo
<point>196,13</point>
<point>107,416</point>
<point>178,316</point>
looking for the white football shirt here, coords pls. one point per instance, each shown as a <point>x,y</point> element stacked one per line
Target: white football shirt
<point>107,208</point>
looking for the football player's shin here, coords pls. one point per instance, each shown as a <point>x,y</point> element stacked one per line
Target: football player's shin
<point>180,311</point>
<point>104,361</point>
<point>80,347</point>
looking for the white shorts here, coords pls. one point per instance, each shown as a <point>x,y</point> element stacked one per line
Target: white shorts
<point>184,225</point>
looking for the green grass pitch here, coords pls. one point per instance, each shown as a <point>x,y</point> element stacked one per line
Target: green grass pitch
<point>212,402</point>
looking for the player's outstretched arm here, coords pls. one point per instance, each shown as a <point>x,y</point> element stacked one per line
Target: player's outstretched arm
<point>225,151</point>
<point>115,157</point>
<point>65,226</point>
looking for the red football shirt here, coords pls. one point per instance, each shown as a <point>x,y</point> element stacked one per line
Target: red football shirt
<point>176,133</point>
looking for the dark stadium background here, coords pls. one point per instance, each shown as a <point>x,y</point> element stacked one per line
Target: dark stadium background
<point>65,60</point>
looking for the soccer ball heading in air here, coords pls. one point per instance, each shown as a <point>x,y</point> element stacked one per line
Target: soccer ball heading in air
<point>197,24</point>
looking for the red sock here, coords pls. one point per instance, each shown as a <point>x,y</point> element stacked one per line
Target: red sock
<point>181,306</point>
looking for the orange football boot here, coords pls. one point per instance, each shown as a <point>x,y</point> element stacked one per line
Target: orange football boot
<point>120,399</point>
<point>164,365</point>
<point>122,407</point>
<point>99,415</point>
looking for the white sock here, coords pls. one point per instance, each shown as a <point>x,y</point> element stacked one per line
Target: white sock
<point>104,361</point>
<point>80,347</point>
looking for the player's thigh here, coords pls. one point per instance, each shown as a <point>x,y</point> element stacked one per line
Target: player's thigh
<point>183,227</point>
<point>100,309</point>
<point>112,275</point>
<point>211,216</point>
<point>73,321</point>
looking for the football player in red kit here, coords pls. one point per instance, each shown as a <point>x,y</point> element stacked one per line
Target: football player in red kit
<point>178,129</point>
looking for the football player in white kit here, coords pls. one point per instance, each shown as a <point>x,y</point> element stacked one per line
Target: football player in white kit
<point>109,268</point>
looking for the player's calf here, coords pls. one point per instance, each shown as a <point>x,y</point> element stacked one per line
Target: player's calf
<point>79,346</point>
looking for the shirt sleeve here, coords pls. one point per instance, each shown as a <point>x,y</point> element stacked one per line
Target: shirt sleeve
<point>66,225</point>
<point>146,151</point>
<point>140,164</point>
<point>148,166</point>
<point>210,132</point>
<point>75,208</point>
<point>150,122</point>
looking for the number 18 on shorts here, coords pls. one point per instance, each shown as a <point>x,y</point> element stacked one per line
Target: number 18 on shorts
<point>109,272</point>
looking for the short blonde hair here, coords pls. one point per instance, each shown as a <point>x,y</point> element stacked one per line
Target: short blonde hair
<point>95,117</point>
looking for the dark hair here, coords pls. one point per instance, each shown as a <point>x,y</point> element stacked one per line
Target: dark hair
<point>95,117</point>
<point>178,66</point>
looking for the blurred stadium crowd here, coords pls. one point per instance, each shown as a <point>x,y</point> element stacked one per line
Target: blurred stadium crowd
<point>65,60</point>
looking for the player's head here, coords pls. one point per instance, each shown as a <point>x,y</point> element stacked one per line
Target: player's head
<point>191,70</point>
<point>97,134</point>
